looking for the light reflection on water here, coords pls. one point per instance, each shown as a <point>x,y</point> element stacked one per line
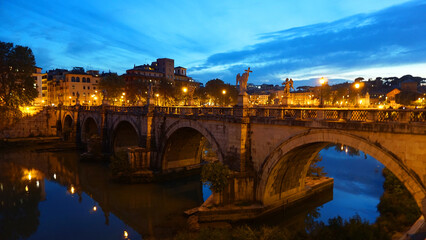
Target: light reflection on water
<point>63,208</point>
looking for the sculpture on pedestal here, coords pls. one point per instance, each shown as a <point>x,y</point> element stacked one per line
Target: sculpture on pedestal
<point>242,81</point>
<point>288,85</point>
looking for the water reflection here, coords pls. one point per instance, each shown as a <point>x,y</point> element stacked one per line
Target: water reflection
<point>52,195</point>
<point>81,201</point>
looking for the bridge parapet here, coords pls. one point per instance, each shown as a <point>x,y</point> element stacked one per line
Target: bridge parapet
<point>348,115</point>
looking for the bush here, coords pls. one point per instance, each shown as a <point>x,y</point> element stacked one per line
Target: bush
<point>215,175</point>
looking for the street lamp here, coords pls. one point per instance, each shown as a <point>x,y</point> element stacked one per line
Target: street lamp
<point>184,90</point>
<point>322,81</point>
<point>157,95</point>
<point>70,99</point>
<point>223,97</point>
<point>357,86</point>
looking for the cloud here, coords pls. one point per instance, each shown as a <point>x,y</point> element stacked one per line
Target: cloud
<point>390,37</point>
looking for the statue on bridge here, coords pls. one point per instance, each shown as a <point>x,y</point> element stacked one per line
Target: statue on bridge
<point>242,81</point>
<point>288,85</point>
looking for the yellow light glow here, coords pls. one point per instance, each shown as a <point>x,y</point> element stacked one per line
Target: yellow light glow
<point>72,190</point>
<point>185,89</point>
<point>322,80</point>
<point>69,97</point>
<point>224,92</point>
<point>125,234</point>
<point>96,98</point>
<point>381,106</point>
<point>357,85</point>
<point>95,208</point>
<point>157,95</point>
<point>42,101</point>
<point>38,184</point>
<point>124,94</point>
<point>26,188</point>
<point>54,176</point>
<point>29,176</point>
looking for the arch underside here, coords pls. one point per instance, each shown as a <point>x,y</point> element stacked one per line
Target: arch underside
<point>284,171</point>
<point>90,129</point>
<point>185,147</point>
<point>125,136</point>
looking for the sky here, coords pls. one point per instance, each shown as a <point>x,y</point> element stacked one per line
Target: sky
<point>303,39</point>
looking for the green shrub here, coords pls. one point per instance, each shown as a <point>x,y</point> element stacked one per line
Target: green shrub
<point>215,175</point>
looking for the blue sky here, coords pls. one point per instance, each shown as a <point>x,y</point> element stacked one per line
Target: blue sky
<point>218,39</point>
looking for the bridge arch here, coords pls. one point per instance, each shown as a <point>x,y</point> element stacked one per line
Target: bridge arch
<point>89,129</point>
<point>297,153</point>
<point>184,144</point>
<point>67,128</point>
<point>125,135</point>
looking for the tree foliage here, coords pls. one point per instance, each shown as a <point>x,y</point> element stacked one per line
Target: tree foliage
<point>17,64</point>
<point>214,89</point>
<point>397,208</point>
<point>113,86</point>
<point>215,175</point>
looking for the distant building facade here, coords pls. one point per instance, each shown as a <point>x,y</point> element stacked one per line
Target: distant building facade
<point>67,87</point>
<point>40,79</point>
<point>162,69</point>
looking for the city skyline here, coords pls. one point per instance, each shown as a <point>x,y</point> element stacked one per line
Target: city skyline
<point>218,40</point>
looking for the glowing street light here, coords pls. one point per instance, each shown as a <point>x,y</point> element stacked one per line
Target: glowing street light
<point>223,98</point>
<point>357,85</point>
<point>125,234</point>
<point>185,90</point>
<point>322,81</point>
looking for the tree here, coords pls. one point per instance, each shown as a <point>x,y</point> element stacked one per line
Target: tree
<point>214,90</point>
<point>17,64</point>
<point>215,175</point>
<point>113,85</point>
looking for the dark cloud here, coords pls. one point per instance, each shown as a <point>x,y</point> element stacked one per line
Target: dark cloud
<point>393,36</point>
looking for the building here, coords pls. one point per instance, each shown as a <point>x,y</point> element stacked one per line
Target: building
<point>67,87</point>
<point>259,99</point>
<point>162,69</point>
<point>390,96</point>
<point>409,86</point>
<point>39,79</point>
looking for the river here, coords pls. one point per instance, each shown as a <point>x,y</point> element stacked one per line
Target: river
<point>48,194</point>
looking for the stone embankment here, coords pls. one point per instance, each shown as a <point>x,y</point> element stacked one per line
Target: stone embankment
<point>42,124</point>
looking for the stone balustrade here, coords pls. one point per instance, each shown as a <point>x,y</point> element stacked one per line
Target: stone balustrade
<point>306,114</point>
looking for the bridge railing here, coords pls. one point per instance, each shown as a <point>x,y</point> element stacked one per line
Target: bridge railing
<point>307,114</point>
<point>196,111</point>
<point>353,115</point>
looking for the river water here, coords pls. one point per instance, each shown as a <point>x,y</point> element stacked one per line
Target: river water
<point>49,194</point>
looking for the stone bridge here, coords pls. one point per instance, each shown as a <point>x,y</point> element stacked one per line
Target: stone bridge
<point>269,149</point>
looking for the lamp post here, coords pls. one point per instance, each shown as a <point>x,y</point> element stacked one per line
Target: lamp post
<point>184,90</point>
<point>357,87</point>
<point>156,96</point>
<point>70,99</point>
<point>322,81</point>
<point>223,97</point>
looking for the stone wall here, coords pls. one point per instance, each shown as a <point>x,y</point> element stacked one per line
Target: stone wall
<point>41,124</point>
